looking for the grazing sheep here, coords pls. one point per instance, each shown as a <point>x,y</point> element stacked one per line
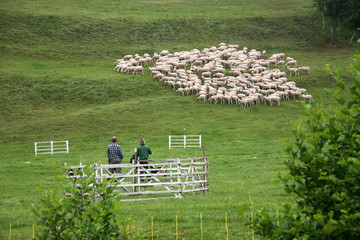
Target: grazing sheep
<point>127,57</point>
<point>206,74</point>
<point>305,69</point>
<point>280,62</point>
<point>203,72</point>
<point>164,52</point>
<point>294,93</point>
<point>180,90</point>
<point>294,70</point>
<point>306,97</point>
<point>201,97</point>
<point>138,69</point>
<point>213,99</point>
<point>291,63</point>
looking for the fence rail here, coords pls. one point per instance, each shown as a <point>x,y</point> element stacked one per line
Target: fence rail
<point>152,179</point>
<point>51,147</point>
<point>184,141</point>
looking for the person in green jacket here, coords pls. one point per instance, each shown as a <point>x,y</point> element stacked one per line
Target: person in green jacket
<point>143,151</point>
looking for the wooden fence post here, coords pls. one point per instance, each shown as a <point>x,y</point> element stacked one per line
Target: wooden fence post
<point>201,230</point>
<point>178,163</point>
<point>226,226</point>
<point>177,235</point>
<point>205,170</point>
<point>135,170</point>
<point>152,228</point>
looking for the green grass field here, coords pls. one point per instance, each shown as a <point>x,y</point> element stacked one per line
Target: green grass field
<point>56,82</point>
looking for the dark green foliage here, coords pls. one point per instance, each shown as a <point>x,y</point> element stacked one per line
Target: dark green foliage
<point>90,212</point>
<point>324,172</point>
<point>340,11</point>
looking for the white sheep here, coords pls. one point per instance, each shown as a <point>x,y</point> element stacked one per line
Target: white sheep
<point>305,69</point>
<point>138,69</point>
<point>127,57</point>
<point>202,97</point>
<point>181,90</point>
<point>306,97</point>
<point>294,70</point>
<point>291,63</point>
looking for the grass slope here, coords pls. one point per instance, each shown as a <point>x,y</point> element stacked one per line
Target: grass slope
<point>56,81</point>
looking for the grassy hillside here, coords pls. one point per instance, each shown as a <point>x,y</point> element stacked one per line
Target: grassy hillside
<point>161,9</point>
<point>56,81</point>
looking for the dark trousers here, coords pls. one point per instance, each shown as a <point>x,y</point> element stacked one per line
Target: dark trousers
<point>146,167</point>
<point>115,161</point>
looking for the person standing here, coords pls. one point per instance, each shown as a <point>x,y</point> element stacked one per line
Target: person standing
<point>114,154</point>
<point>143,151</point>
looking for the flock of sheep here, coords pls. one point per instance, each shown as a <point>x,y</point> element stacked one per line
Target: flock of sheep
<point>225,74</point>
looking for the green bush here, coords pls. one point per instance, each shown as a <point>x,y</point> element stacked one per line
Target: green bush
<point>88,212</point>
<point>324,172</point>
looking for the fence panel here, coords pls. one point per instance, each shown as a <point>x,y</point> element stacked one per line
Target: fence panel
<point>162,178</point>
<point>184,141</point>
<point>51,147</point>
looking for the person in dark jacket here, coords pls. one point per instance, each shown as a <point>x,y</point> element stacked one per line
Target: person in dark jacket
<point>114,154</point>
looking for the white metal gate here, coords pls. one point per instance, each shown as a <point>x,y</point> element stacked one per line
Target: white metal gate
<point>162,178</point>
<point>184,141</point>
<point>51,147</point>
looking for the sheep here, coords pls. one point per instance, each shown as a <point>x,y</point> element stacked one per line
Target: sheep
<point>272,99</point>
<point>280,62</point>
<point>201,97</point>
<point>219,75</point>
<point>293,70</point>
<point>159,76</point>
<point>127,57</point>
<point>138,69</point>
<point>213,98</point>
<point>164,52</point>
<point>180,65</point>
<point>294,93</point>
<point>143,61</point>
<point>180,90</point>
<point>306,97</point>
<point>206,74</point>
<point>197,62</point>
<point>130,69</point>
<point>290,63</point>
<point>304,69</point>
<point>171,84</point>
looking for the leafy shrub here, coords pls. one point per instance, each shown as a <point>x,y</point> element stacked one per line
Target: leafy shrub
<point>324,172</point>
<point>88,212</point>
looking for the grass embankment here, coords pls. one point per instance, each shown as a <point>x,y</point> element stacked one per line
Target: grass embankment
<point>56,81</point>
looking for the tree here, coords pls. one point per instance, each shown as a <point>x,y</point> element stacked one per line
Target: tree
<point>88,213</point>
<point>324,172</point>
<point>338,10</point>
